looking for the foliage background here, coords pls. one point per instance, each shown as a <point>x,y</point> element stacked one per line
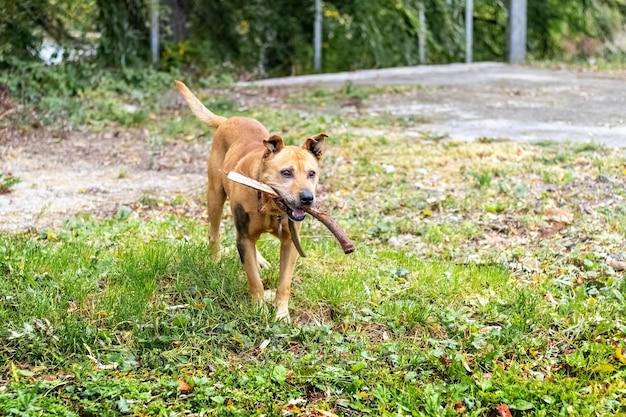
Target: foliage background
<point>259,39</point>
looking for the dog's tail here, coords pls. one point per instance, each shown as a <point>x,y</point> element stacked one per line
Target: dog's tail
<point>205,115</point>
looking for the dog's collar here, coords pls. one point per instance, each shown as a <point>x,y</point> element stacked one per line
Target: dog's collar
<point>279,219</point>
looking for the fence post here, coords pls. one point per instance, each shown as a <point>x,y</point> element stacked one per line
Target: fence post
<point>422,35</point>
<point>317,36</point>
<point>469,30</point>
<point>517,31</point>
<point>154,30</point>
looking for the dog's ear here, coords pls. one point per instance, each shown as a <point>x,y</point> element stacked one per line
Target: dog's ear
<point>273,145</point>
<point>315,145</point>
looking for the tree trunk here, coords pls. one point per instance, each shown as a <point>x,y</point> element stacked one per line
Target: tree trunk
<point>178,20</point>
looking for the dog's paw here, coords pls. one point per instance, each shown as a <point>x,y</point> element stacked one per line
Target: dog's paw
<point>263,263</point>
<point>283,315</point>
<point>269,295</point>
<point>215,252</point>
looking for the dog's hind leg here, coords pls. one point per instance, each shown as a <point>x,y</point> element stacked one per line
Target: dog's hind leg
<point>215,205</point>
<point>216,197</point>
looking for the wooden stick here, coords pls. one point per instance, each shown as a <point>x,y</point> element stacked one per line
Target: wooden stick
<point>333,226</point>
<point>252,183</point>
<point>320,215</point>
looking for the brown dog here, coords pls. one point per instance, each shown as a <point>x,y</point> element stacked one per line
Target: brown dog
<point>243,145</point>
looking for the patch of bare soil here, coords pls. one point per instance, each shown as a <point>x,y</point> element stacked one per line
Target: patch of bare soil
<point>65,173</point>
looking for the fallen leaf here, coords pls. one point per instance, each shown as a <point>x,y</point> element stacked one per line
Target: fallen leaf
<point>459,407</point>
<point>503,411</point>
<point>291,408</point>
<point>617,265</point>
<point>531,264</point>
<point>444,360</point>
<point>183,386</point>
<point>550,298</point>
<point>552,230</point>
<point>604,368</point>
<point>620,355</point>
<point>324,413</point>
<point>558,215</point>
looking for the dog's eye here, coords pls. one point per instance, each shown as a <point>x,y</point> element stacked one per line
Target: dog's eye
<point>312,174</point>
<point>287,173</point>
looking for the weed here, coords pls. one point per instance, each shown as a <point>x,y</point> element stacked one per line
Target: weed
<point>8,181</point>
<point>150,200</point>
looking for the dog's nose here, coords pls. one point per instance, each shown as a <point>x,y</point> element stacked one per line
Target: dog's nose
<point>306,198</point>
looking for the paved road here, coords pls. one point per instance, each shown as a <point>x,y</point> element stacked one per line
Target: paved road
<point>497,100</point>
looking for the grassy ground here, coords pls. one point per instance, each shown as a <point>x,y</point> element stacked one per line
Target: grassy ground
<point>488,277</point>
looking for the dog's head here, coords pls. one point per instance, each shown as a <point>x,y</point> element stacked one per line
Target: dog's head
<point>293,172</point>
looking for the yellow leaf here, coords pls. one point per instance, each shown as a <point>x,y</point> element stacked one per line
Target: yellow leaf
<point>604,368</point>
<point>14,372</point>
<point>428,212</point>
<point>324,413</point>
<point>620,355</point>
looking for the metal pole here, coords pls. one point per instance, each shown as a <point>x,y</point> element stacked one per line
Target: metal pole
<point>317,36</point>
<point>422,35</point>
<point>469,30</point>
<point>517,31</point>
<point>154,30</point>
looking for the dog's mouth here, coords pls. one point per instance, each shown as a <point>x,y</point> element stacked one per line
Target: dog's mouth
<point>294,213</point>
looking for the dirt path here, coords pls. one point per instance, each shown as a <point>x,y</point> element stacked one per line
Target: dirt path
<point>80,172</point>
<point>499,100</point>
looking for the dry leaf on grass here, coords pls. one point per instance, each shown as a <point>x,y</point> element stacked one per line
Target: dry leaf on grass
<point>552,230</point>
<point>459,407</point>
<point>503,411</point>
<point>559,215</point>
<point>183,386</point>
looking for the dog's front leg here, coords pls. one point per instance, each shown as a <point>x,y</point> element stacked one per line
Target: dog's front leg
<point>246,246</point>
<point>288,256</point>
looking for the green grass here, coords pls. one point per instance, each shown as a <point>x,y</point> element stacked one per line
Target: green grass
<point>8,181</point>
<point>460,296</point>
<point>110,316</point>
